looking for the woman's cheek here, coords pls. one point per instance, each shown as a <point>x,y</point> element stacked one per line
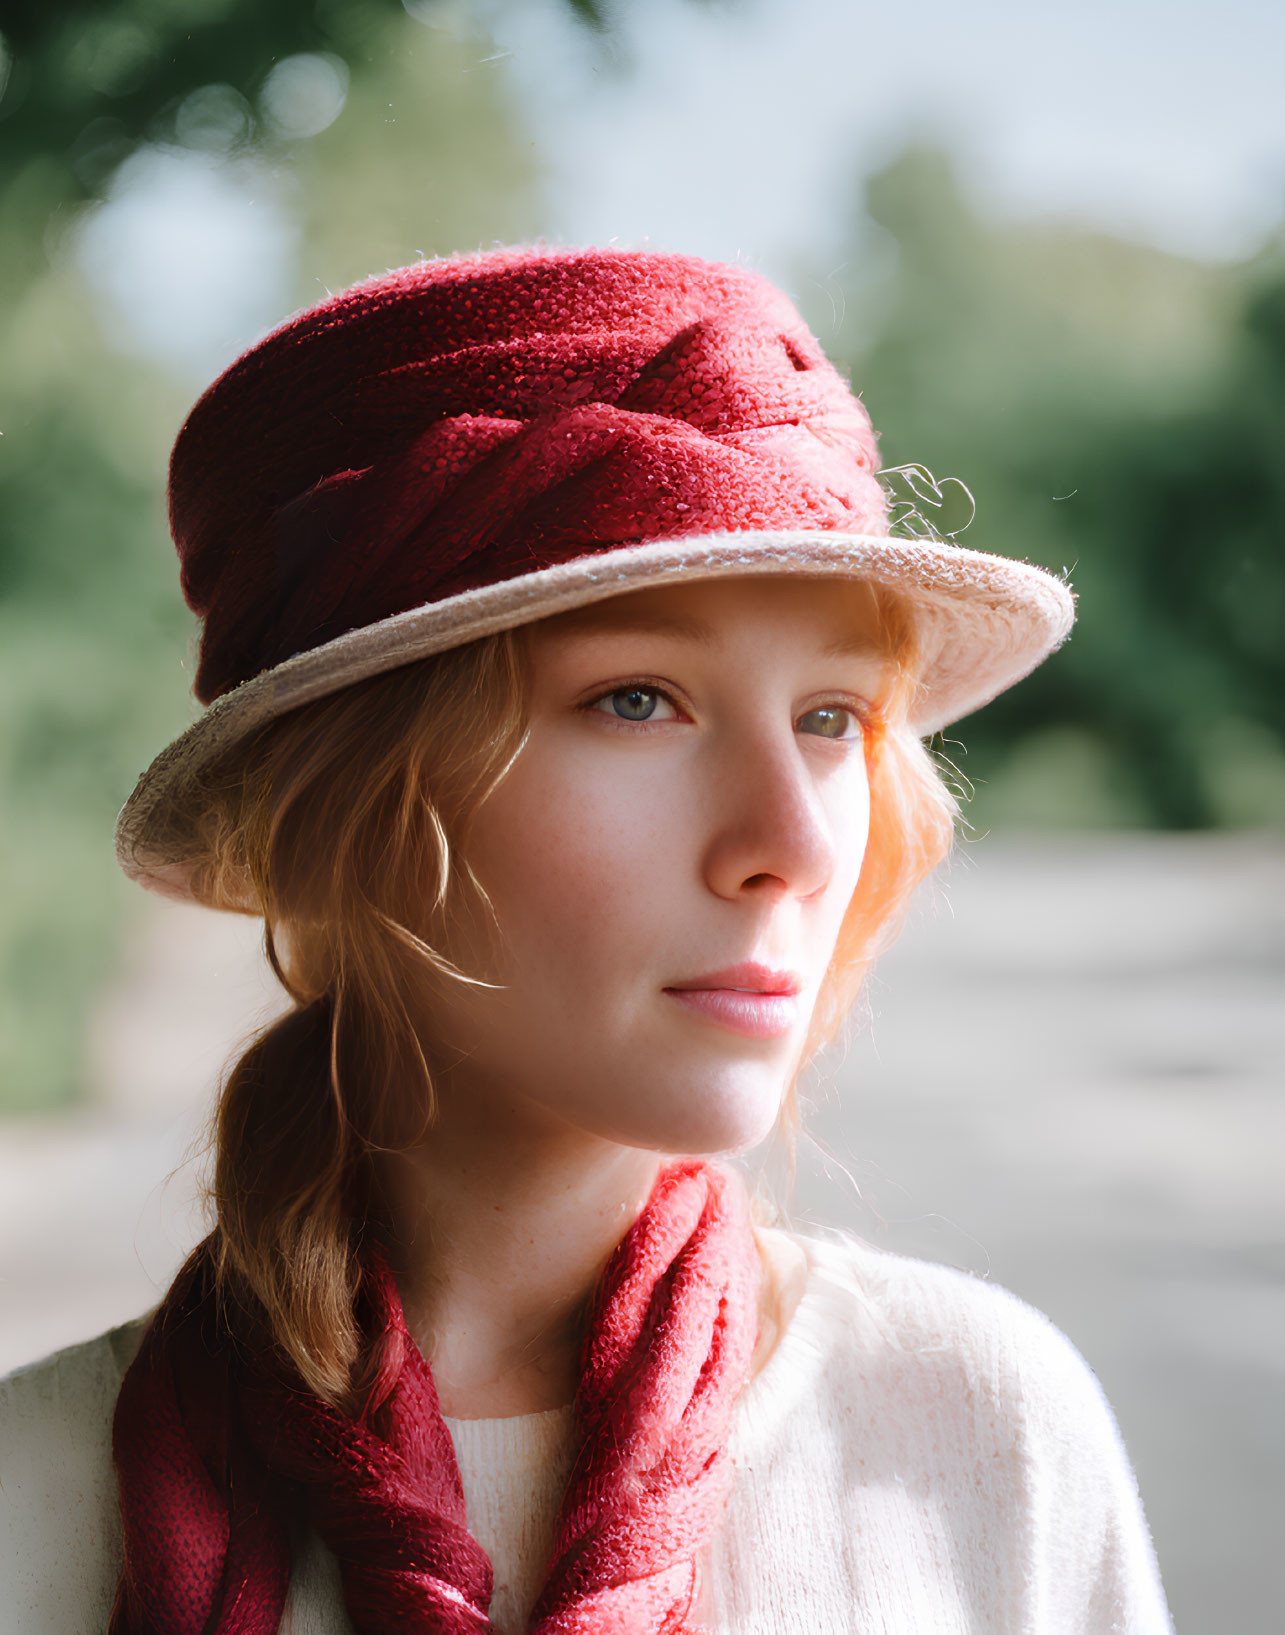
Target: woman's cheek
<point>847,801</point>
<point>580,859</point>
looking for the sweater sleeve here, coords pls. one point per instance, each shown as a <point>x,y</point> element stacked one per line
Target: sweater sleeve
<point>59,1524</point>
<point>1090,1563</point>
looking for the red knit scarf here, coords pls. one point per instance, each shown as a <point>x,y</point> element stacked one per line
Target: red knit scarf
<point>215,1448</point>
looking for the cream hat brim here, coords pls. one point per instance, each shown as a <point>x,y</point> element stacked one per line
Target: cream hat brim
<point>982,623</point>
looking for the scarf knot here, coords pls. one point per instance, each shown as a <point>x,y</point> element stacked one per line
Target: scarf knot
<point>216,1448</point>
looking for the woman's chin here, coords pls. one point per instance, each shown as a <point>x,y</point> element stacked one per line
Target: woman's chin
<point>667,1100</point>
<point>708,1120</point>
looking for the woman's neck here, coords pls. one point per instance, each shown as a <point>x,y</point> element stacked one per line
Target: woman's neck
<point>501,1227</point>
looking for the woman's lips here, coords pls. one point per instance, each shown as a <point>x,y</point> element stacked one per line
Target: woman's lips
<point>749,999</point>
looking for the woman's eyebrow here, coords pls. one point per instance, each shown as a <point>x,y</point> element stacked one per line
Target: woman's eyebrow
<point>853,644</point>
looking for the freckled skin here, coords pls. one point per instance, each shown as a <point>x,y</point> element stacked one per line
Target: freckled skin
<point>624,856</point>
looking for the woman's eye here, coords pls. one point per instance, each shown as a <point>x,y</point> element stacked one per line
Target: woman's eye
<point>637,704</point>
<point>830,721</point>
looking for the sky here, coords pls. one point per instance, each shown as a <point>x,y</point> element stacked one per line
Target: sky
<point>742,129</point>
<point>741,122</point>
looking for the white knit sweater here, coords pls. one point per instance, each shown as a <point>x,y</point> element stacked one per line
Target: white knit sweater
<point>922,1455</point>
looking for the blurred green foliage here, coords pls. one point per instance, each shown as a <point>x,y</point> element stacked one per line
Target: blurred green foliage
<point>93,631</point>
<point>1115,411</point>
<point>1119,413</point>
<point>88,81</point>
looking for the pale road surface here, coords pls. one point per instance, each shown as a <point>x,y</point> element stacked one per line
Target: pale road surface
<point>1073,1083</point>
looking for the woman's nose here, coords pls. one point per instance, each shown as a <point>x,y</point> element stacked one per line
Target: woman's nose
<point>770,833</point>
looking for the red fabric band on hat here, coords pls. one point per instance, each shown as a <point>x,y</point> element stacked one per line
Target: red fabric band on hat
<point>463,422</point>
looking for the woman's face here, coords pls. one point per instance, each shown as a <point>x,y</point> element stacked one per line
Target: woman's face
<point>669,860</point>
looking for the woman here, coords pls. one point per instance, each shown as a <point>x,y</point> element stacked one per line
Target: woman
<point>565,701</point>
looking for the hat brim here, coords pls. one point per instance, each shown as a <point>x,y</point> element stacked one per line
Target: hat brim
<point>982,623</point>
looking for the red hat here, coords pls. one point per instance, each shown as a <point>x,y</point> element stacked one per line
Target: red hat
<point>470,444</point>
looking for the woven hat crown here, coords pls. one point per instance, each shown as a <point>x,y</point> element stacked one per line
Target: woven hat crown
<point>463,422</point>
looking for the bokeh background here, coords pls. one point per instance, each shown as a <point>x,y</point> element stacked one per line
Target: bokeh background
<point>1046,242</point>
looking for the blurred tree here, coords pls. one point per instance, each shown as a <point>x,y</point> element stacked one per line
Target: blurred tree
<point>92,627</point>
<point>88,81</point>
<point>83,82</point>
<point>1118,413</point>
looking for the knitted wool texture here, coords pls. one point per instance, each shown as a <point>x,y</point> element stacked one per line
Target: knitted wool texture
<point>215,1448</point>
<point>461,422</point>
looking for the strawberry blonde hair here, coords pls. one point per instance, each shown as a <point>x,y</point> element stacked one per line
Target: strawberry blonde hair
<point>345,826</point>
